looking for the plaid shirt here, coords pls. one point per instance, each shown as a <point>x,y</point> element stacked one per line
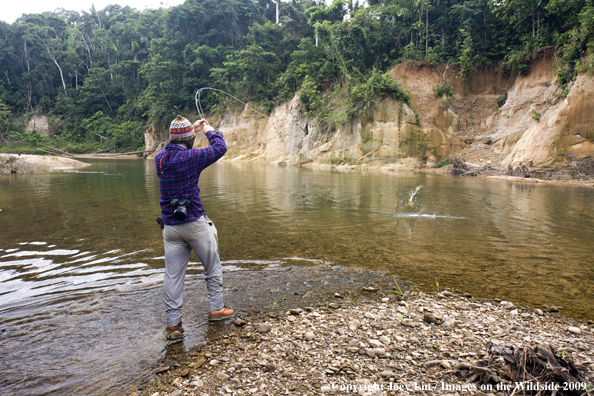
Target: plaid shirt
<point>179,170</point>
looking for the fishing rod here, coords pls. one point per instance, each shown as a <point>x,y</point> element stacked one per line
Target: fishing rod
<point>199,106</point>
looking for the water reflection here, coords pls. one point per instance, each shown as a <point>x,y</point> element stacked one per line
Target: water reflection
<point>81,256</point>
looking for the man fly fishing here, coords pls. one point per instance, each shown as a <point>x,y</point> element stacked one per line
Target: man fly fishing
<point>185,225</point>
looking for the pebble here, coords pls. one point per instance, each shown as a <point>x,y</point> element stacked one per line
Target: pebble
<point>574,330</point>
<point>240,322</point>
<point>291,318</point>
<point>354,325</point>
<point>199,363</point>
<point>214,362</point>
<point>264,328</point>
<point>428,317</point>
<point>375,343</point>
<point>309,335</point>
<point>325,389</point>
<point>385,299</point>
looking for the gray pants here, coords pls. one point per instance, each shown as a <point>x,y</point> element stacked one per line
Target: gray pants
<point>201,237</point>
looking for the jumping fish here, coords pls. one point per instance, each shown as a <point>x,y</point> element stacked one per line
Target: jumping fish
<point>411,200</point>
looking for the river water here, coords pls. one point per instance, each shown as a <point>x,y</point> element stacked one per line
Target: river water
<point>81,256</point>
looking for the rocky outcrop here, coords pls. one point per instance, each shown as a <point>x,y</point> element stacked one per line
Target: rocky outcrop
<point>39,123</point>
<point>153,139</point>
<point>492,118</point>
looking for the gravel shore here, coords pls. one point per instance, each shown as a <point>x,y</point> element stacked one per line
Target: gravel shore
<point>381,344</point>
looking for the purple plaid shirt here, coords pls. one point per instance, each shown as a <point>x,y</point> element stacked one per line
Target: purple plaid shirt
<point>179,170</point>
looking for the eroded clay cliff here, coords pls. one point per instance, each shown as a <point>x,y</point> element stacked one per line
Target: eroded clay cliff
<point>537,122</point>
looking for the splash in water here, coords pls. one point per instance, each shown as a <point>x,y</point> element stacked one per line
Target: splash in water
<point>411,200</point>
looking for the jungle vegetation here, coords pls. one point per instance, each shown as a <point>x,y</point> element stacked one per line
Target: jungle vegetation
<point>114,71</point>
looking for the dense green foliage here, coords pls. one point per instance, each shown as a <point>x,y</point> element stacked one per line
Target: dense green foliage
<point>112,71</point>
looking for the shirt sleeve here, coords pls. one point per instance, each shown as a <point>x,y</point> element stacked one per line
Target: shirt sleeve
<point>210,155</point>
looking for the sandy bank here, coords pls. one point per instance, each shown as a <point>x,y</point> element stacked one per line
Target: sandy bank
<point>26,163</point>
<point>383,344</point>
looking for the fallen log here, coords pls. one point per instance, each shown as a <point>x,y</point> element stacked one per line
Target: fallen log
<point>49,152</point>
<point>59,151</point>
<point>132,152</point>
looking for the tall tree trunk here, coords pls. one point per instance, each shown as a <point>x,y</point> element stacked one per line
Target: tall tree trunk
<point>27,57</point>
<point>427,29</point>
<point>533,32</point>
<point>53,58</point>
<point>29,95</point>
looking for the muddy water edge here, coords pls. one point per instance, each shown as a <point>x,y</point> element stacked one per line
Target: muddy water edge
<point>81,256</point>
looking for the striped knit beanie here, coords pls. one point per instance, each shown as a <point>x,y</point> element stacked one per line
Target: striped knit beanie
<point>180,129</point>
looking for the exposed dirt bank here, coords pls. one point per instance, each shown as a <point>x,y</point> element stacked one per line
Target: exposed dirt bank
<point>26,163</point>
<point>492,119</point>
<point>386,343</point>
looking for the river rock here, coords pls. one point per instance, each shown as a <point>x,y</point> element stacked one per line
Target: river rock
<point>214,362</point>
<point>379,351</point>
<point>184,373</point>
<point>199,363</point>
<point>574,330</point>
<point>269,368</point>
<point>240,322</point>
<point>263,328</point>
<point>354,325</point>
<point>291,318</point>
<point>325,389</point>
<point>385,340</point>
<point>428,317</point>
<point>222,376</point>
<point>387,374</point>
<point>235,382</point>
<point>375,343</point>
<point>385,299</point>
<point>309,335</point>
<point>197,383</point>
